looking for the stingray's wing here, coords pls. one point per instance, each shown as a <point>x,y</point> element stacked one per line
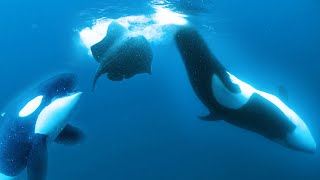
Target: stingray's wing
<point>115,32</point>
<point>141,55</point>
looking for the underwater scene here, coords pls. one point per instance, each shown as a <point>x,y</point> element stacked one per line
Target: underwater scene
<point>159,90</point>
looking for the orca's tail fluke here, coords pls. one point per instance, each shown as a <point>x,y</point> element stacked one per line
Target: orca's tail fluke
<point>198,57</point>
<point>38,158</point>
<point>194,50</point>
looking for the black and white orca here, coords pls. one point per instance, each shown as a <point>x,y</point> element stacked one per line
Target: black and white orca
<point>236,102</point>
<point>32,121</point>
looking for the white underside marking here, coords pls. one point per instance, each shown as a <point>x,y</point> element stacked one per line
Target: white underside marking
<point>301,137</point>
<point>4,177</point>
<point>228,99</point>
<point>31,106</point>
<point>54,117</point>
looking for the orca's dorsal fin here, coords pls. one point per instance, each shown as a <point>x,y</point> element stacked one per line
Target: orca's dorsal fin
<point>209,117</point>
<point>115,32</point>
<point>283,93</point>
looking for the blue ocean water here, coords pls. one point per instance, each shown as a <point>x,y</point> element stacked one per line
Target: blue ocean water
<point>147,127</point>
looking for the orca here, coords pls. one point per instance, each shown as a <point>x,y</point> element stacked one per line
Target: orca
<point>121,54</point>
<point>234,101</point>
<point>33,120</point>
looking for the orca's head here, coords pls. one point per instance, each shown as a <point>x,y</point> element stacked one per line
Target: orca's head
<point>300,138</point>
<point>58,86</point>
<point>51,102</point>
<point>275,120</point>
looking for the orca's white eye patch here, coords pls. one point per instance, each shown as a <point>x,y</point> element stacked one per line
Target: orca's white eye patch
<point>31,106</point>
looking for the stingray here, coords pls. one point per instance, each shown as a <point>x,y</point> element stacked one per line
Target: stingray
<point>121,55</point>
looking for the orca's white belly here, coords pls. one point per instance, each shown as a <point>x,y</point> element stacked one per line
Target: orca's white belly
<point>53,118</point>
<point>4,177</point>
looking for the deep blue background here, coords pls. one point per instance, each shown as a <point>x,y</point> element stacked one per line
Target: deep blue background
<point>146,127</point>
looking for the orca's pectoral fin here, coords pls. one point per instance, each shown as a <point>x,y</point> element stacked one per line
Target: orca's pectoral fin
<point>70,135</point>
<point>226,80</point>
<point>209,117</point>
<point>38,158</point>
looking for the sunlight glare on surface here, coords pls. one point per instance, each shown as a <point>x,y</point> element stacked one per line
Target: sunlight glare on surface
<point>151,26</point>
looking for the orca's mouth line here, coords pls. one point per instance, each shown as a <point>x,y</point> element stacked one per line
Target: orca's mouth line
<point>75,91</point>
<point>67,94</point>
<point>72,94</point>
